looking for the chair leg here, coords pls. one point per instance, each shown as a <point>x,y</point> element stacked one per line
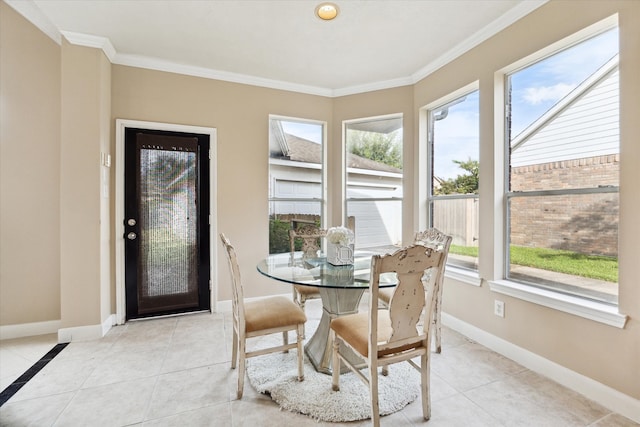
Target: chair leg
<point>438,326</point>
<point>295,295</point>
<point>285,339</point>
<point>234,350</point>
<point>385,370</point>
<point>303,300</point>
<point>299,333</point>
<point>373,391</point>
<point>335,363</point>
<point>424,386</point>
<point>241,368</point>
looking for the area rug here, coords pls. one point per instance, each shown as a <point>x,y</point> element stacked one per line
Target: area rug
<point>276,374</point>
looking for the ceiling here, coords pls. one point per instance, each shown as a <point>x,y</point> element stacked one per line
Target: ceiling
<point>281,44</point>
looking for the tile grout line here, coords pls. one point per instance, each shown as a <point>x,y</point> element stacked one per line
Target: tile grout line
<point>13,388</point>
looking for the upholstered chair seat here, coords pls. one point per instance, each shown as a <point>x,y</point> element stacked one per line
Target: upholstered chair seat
<point>261,317</point>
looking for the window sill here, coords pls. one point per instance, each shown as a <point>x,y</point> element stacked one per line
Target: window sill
<point>465,276</point>
<point>592,310</point>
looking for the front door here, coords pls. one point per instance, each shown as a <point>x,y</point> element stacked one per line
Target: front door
<point>166,223</point>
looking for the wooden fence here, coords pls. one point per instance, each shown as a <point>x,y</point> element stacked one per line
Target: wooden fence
<point>459,218</point>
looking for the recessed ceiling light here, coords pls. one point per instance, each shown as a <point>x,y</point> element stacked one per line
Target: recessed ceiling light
<point>326,11</point>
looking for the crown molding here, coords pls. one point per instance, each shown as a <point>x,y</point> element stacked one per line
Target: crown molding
<point>514,14</point>
<point>370,87</point>
<point>172,67</point>
<point>32,13</point>
<point>88,40</point>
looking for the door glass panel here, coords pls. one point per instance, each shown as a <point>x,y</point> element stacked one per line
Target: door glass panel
<point>168,227</point>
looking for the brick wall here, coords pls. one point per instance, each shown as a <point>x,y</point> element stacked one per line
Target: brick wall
<point>584,223</point>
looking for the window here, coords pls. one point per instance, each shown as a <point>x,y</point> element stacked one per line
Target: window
<point>453,167</point>
<point>374,182</point>
<point>562,171</point>
<point>296,178</point>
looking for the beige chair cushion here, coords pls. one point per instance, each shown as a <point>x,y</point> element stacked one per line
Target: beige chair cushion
<point>354,329</point>
<point>271,313</point>
<point>307,290</point>
<point>385,294</point>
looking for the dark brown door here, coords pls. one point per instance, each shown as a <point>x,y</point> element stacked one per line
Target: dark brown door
<point>166,222</point>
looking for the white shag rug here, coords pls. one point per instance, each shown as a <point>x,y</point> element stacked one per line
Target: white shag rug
<point>276,374</point>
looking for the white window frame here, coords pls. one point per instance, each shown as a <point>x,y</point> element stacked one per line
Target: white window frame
<point>467,276</point>
<point>597,311</point>
<point>346,170</point>
<point>323,167</point>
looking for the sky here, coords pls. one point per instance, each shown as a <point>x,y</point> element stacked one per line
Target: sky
<point>539,87</point>
<point>456,137</point>
<point>309,131</point>
<point>534,90</point>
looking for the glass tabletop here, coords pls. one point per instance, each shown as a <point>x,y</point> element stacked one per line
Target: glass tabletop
<point>318,272</point>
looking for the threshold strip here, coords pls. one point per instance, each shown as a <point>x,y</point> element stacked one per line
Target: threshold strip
<point>8,392</point>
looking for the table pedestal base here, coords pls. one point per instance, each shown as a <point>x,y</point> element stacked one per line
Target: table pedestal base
<point>336,302</point>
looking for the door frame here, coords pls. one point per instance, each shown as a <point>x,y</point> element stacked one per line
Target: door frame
<point>121,125</point>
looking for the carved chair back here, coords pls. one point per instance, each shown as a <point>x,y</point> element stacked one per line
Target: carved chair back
<point>311,237</point>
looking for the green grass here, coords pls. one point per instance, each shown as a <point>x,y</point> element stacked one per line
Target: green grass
<point>464,250</point>
<point>591,266</point>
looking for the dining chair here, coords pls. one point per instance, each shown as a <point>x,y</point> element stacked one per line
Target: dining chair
<point>386,336</point>
<point>311,237</point>
<point>261,317</point>
<point>433,238</point>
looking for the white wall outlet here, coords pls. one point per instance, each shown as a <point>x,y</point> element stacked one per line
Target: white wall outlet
<point>498,308</point>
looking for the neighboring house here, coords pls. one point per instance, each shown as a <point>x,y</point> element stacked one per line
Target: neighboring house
<point>576,139</point>
<point>295,165</point>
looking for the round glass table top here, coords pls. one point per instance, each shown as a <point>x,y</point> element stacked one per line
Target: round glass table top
<point>318,272</point>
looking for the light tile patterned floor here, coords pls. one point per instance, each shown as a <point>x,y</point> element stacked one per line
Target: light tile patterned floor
<point>176,372</point>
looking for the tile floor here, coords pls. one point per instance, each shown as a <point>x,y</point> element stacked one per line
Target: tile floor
<point>176,372</point>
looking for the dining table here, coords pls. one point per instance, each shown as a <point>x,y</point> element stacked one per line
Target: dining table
<point>341,288</point>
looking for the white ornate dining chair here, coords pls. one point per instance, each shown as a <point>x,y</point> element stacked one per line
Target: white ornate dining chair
<point>432,238</point>
<point>386,336</point>
<point>311,237</point>
<point>262,317</point>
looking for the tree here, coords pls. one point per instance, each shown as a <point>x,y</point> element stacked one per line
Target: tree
<point>376,146</point>
<point>462,184</point>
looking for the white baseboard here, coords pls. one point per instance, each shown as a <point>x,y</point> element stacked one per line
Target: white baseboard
<point>79,333</point>
<point>223,306</point>
<point>606,396</point>
<point>108,323</point>
<point>87,332</point>
<point>29,329</point>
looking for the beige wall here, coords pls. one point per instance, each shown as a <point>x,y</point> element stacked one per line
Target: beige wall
<point>240,113</point>
<point>29,172</point>
<point>607,354</point>
<point>76,269</point>
<point>84,279</point>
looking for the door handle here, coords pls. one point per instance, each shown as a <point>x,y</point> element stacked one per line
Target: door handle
<point>132,236</point>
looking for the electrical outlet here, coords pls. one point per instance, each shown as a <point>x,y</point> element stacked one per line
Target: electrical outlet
<point>498,308</point>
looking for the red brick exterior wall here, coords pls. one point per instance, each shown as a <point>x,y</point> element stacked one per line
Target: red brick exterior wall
<point>584,223</point>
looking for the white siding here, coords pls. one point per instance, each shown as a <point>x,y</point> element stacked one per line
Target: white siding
<point>378,223</point>
<point>587,127</point>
